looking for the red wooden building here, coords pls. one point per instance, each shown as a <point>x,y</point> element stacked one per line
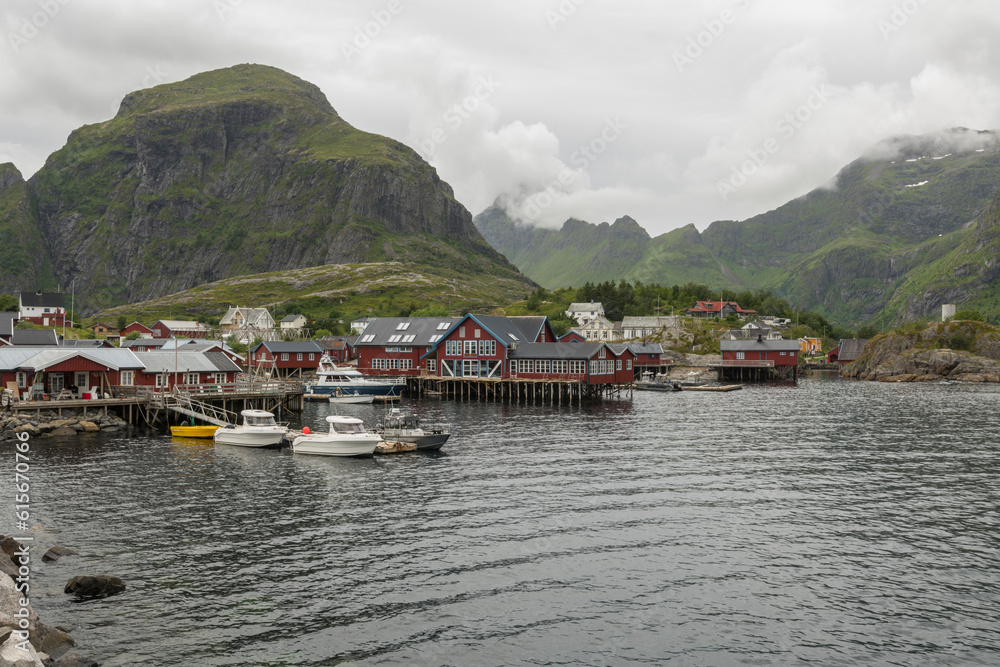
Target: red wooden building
<point>189,365</point>
<point>718,309</point>
<point>399,346</point>
<point>286,358</point>
<point>760,359</point>
<point>143,330</point>
<point>38,372</point>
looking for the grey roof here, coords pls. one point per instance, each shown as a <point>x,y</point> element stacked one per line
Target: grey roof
<point>557,350</point>
<point>38,358</point>
<point>34,337</point>
<point>85,342</point>
<point>288,347</point>
<point>181,361</point>
<point>7,323</point>
<point>43,299</point>
<point>754,345</point>
<point>145,342</point>
<point>506,329</point>
<point>587,307</point>
<point>529,325</point>
<point>648,321</point>
<point>418,331</point>
<point>291,318</point>
<point>637,348</point>
<point>851,348</point>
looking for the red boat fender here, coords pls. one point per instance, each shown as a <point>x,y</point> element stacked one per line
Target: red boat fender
<point>305,430</point>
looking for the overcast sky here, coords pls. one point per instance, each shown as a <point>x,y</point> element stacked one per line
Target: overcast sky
<point>670,112</point>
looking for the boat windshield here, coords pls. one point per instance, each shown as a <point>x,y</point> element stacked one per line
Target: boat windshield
<point>260,421</point>
<point>348,428</point>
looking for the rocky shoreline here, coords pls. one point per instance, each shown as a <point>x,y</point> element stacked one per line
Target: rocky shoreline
<point>51,424</point>
<point>949,351</point>
<point>46,645</point>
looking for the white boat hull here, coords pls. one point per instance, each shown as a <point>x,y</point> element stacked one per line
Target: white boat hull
<point>352,398</point>
<point>333,444</point>
<point>249,438</point>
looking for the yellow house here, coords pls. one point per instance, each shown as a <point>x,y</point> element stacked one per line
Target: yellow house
<point>811,346</point>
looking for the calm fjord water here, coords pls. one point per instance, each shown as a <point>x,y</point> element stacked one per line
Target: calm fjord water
<point>837,522</point>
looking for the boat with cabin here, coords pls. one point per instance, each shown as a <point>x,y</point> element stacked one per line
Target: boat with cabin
<point>257,430</point>
<point>347,436</point>
<point>400,427</point>
<point>337,380</point>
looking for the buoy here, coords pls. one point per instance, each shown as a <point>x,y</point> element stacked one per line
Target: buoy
<point>305,431</point>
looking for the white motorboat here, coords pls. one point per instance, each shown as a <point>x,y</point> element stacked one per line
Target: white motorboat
<point>257,430</point>
<point>347,437</point>
<point>341,397</point>
<point>331,378</point>
<point>399,427</point>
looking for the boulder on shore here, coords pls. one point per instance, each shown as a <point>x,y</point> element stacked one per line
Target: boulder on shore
<point>57,552</point>
<point>13,655</point>
<point>98,586</point>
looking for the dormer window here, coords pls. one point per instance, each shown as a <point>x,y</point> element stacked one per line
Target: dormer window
<point>402,326</point>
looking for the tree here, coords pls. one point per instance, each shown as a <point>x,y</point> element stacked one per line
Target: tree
<point>121,323</point>
<point>866,332</point>
<point>9,303</point>
<point>133,335</point>
<point>968,315</point>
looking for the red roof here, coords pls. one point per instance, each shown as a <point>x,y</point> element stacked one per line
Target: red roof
<point>716,307</point>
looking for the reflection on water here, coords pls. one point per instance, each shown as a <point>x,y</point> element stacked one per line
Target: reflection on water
<point>832,522</point>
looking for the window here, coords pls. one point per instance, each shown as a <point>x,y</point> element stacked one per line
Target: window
<point>298,356</point>
<point>409,338</point>
<point>220,378</point>
<point>191,378</point>
<point>367,339</point>
<point>162,380</point>
<point>619,365</point>
<point>487,348</point>
<point>284,356</point>
<point>127,378</point>
<point>526,366</point>
<point>513,337</point>
<point>443,326</point>
<point>741,355</point>
<point>402,326</point>
<point>602,354</point>
<point>394,339</point>
<point>477,333</point>
<point>470,348</point>
<point>559,366</point>
<point>435,338</point>
<point>22,380</point>
<point>461,332</point>
<point>628,364</point>
<point>431,366</point>
<point>784,354</point>
<point>453,348</point>
<point>312,356</point>
<point>543,366</point>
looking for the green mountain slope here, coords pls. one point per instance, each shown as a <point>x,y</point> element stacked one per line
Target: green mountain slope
<point>852,252</point>
<point>239,171</point>
<point>24,262</point>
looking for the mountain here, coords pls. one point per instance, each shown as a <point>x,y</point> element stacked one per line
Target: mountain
<point>232,172</point>
<point>23,259</point>
<point>903,227</point>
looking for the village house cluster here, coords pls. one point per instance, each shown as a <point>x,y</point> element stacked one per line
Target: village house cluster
<point>38,363</point>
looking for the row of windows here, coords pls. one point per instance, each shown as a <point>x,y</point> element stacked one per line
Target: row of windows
<point>392,364</point>
<point>470,348</point>
<point>299,356</point>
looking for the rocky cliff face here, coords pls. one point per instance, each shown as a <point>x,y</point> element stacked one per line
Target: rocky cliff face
<point>928,355</point>
<point>24,260</point>
<point>239,171</point>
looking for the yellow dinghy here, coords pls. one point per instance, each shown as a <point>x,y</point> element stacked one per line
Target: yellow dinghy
<point>193,431</point>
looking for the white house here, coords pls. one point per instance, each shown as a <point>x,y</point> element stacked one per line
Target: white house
<point>634,326</point>
<point>246,318</point>
<point>45,308</point>
<point>584,312</point>
<point>358,325</point>
<point>598,329</point>
<point>293,321</point>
